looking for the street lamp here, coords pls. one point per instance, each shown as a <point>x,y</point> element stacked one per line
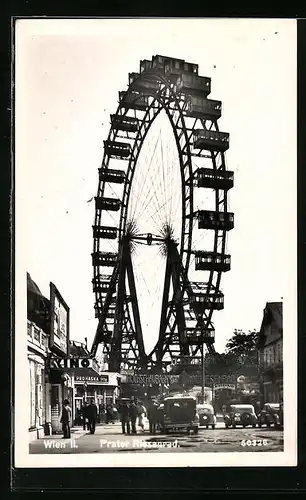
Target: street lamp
<point>203,374</point>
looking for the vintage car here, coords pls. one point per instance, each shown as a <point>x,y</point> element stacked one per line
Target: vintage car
<point>180,413</point>
<point>270,415</point>
<point>207,415</point>
<point>240,414</point>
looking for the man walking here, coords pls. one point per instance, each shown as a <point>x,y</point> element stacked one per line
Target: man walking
<point>65,419</point>
<point>133,413</point>
<point>92,413</point>
<point>85,416</point>
<point>152,416</point>
<point>124,417</point>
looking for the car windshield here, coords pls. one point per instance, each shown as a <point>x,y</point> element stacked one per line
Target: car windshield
<point>273,406</point>
<point>242,408</point>
<point>205,409</point>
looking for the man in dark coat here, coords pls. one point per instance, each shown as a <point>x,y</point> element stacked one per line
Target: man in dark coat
<point>133,414</point>
<point>124,416</point>
<point>65,419</point>
<point>92,413</point>
<point>152,416</point>
<point>85,415</point>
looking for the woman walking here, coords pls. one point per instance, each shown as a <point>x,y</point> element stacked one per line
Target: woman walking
<point>141,414</point>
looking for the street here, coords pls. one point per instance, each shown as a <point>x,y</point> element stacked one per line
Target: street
<point>108,439</point>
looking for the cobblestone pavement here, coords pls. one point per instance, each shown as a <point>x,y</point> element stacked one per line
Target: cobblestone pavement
<point>108,439</point>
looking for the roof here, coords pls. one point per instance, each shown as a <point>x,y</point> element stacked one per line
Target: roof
<point>37,305</point>
<point>77,349</point>
<point>180,396</point>
<point>273,312</point>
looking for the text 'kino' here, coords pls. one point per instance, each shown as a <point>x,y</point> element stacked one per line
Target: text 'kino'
<point>71,362</point>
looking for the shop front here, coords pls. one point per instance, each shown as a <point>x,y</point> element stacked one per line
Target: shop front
<point>60,388</point>
<point>101,388</point>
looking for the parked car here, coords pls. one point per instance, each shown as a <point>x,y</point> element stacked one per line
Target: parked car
<point>180,413</point>
<point>240,414</point>
<point>270,415</point>
<point>207,415</point>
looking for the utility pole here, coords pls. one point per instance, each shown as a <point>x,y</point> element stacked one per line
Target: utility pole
<point>203,375</point>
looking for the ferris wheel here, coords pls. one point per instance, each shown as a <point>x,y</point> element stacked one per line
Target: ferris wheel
<point>188,220</point>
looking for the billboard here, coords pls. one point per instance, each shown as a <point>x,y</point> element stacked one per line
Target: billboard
<point>59,334</point>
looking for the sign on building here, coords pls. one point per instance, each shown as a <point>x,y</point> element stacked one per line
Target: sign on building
<point>104,379</point>
<point>150,379</point>
<point>59,334</point>
<point>58,362</point>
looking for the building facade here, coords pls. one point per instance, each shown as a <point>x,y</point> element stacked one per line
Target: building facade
<point>271,353</point>
<point>39,417</point>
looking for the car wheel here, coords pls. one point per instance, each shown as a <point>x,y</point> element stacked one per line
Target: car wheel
<point>213,426</point>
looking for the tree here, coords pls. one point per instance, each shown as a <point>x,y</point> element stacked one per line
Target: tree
<point>244,346</point>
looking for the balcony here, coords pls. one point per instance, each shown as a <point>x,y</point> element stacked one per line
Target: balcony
<point>37,338</point>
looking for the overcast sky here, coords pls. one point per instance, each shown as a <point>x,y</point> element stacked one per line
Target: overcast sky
<point>68,74</point>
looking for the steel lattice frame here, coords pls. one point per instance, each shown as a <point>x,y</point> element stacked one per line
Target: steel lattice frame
<point>175,105</point>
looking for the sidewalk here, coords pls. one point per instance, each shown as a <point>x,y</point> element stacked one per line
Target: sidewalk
<point>76,432</point>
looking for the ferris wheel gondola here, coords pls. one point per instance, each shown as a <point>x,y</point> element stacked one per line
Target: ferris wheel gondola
<point>174,87</point>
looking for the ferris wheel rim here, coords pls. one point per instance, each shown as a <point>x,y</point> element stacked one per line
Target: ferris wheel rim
<point>113,134</point>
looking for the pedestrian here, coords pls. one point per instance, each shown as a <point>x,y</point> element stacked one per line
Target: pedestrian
<point>92,413</point>
<point>65,419</point>
<point>109,415</point>
<point>152,416</point>
<point>124,416</point>
<point>133,414</point>
<point>141,414</point>
<point>85,416</point>
<point>115,414</point>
